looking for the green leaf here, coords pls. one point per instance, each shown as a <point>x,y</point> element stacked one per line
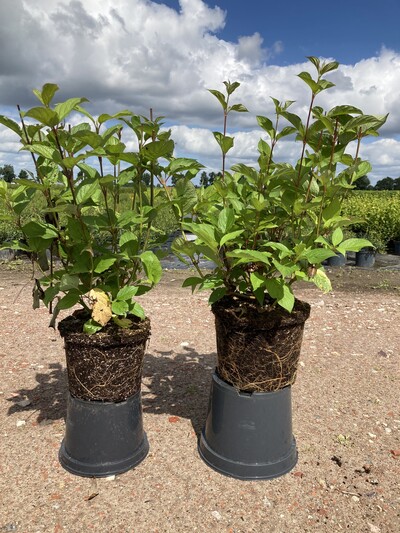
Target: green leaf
<point>266,124</point>
<point>353,245</point>
<point>186,196</point>
<point>240,108</point>
<point>120,307</point>
<point>39,229</point>
<point>220,97</point>
<point>230,236</point>
<point>337,236</point>
<point>90,327</point>
<point>225,142</point>
<point>68,282</point>
<point>65,108</point>
<point>294,119</point>
<point>122,322</point>
<point>250,256</point>
<point>11,125</point>
<point>138,310</point>
<point>332,209</point>
<point>103,264</point>
<point>69,300</point>
<point>127,293</point>
<point>156,149</point>
<point>226,219</point>
<point>41,149</point>
<point>192,282</point>
<point>257,280</point>
<point>317,255</point>
<point>231,86</point>
<point>306,77</point>
<point>48,92</point>
<point>44,115</point>
<point>205,232</point>
<point>152,266</point>
<point>321,280</point>
<point>217,294</point>
<point>86,192</point>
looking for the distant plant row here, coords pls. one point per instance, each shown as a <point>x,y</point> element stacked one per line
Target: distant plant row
<point>378,213</point>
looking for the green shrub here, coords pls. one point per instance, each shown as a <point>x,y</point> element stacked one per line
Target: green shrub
<point>380,211</point>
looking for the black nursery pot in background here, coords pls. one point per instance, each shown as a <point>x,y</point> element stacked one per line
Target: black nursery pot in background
<point>248,431</point>
<point>365,258</point>
<point>104,427</point>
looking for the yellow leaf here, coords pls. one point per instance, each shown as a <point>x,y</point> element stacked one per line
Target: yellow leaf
<point>101,306</point>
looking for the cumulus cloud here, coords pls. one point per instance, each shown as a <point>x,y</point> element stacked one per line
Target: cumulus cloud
<point>139,54</point>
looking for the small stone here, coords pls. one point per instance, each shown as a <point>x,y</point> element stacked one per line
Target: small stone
<point>388,430</point>
<point>355,498</point>
<point>185,343</point>
<point>373,528</point>
<point>372,435</point>
<point>267,502</point>
<point>24,403</point>
<point>216,515</point>
<point>21,423</point>
<point>110,478</point>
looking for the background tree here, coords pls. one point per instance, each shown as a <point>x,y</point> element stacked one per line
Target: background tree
<point>396,184</point>
<point>363,184</point>
<point>146,179</point>
<point>385,184</point>
<point>23,175</point>
<point>7,173</point>
<point>204,182</point>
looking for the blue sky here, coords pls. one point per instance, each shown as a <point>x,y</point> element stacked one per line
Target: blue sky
<point>138,54</point>
<point>348,30</point>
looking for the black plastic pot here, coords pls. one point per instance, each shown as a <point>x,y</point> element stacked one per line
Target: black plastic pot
<point>365,258</point>
<point>103,438</point>
<point>396,247</point>
<point>248,435</point>
<point>337,260</point>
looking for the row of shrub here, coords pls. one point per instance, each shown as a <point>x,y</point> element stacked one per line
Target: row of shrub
<point>380,211</point>
<point>165,222</point>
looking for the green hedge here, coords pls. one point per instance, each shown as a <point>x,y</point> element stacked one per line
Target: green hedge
<point>166,221</point>
<point>380,211</point>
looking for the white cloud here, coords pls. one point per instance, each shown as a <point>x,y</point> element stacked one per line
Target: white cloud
<point>139,54</point>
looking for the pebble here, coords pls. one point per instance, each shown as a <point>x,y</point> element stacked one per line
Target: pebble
<point>110,478</point>
<point>216,515</point>
<point>355,498</point>
<point>20,423</point>
<point>24,403</point>
<point>185,343</point>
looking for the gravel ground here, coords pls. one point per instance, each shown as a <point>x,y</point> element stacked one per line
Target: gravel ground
<point>346,411</point>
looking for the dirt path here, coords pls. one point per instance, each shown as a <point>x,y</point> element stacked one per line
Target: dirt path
<point>346,410</point>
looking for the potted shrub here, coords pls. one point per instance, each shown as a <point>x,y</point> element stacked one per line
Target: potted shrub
<point>98,221</point>
<point>267,228</point>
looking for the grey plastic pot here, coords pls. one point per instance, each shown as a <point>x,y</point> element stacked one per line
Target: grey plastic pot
<point>248,435</point>
<point>337,260</point>
<point>365,258</point>
<point>103,438</point>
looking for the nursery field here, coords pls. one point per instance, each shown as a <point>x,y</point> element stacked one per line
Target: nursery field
<point>346,414</point>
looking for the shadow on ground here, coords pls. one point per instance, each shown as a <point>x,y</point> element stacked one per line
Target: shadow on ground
<point>48,399</point>
<point>178,384</point>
